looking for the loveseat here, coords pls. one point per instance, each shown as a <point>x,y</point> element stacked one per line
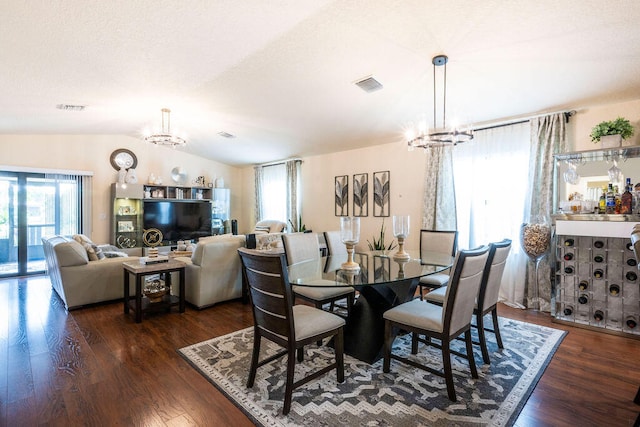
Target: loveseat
<point>78,280</point>
<point>214,271</point>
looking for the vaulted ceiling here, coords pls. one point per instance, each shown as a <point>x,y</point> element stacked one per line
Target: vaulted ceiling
<point>279,75</point>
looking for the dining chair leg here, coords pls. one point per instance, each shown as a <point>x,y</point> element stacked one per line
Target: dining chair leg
<point>472,360</point>
<point>320,307</point>
<point>496,326</point>
<point>300,354</point>
<point>448,373</point>
<point>414,342</point>
<point>421,293</point>
<point>482,338</point>
<point>386,351</point>
<point>339,349</point>
<point>288,390</point>
<point>254,360</point>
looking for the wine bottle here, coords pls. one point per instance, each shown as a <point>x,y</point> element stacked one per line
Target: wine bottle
<point>568,269</point>
<point>568,310</point>
<point>583,299</point>
<point>568,256</point>
<point>632,262</point>
<point>631,322</point>
<point>626,199</point>
<point>602,203</point>
<point>631,276</point>
<point>611,200</point>
<point>584,285</point>
<point>598,244</point>
<point>598,258</point>
<point>598,273</point>
<point>598,315</point>
<point>616,193</point>
<point>614,289</point>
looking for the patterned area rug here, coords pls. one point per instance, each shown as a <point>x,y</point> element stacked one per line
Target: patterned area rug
<point>368,397</point>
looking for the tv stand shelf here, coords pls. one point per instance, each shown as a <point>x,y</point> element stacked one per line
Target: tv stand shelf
<point>167,192</point>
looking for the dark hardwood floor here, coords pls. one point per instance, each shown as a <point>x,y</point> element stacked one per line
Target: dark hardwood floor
<point>95,366</point>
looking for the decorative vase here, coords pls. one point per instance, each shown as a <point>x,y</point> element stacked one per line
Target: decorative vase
<point>611,141</point>
<point>350,236</point>
<point>131,177</point>
<point>535,238</point>
<point>122,173</point>
<point>220,182</point>
<point>401,231</point>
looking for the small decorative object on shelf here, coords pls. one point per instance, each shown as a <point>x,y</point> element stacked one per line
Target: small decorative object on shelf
<point>350,236</point>
<point>535,238</point>
<point>155,289</point>
<point>401,231</point>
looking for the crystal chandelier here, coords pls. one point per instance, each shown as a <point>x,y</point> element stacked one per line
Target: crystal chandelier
<point>165,137</point>
<point>443,136</point>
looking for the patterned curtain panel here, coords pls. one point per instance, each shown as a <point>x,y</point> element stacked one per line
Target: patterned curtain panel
<point>439,202</point>
<point>258,185</point>
<point>548,137</point>
<point>293,189</point>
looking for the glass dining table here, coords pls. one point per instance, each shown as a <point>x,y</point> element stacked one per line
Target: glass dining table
<point>382,283</point>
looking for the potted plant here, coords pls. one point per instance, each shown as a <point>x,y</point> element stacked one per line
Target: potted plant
<point>299,227</point>
<point>611,133</point>
<point>378,244</point>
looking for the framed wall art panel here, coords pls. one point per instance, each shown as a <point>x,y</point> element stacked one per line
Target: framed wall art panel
<point>342,195</point>
<point>361,194</point>
<point>381,190</point>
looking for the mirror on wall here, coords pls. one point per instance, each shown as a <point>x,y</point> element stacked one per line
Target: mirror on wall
<point>580,176</point>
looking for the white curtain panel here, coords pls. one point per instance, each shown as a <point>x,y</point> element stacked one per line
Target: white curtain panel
<point>293,189</point>
<point>273,201</point>
<point>491,183</point>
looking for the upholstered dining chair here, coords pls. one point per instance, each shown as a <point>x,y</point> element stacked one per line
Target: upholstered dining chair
<point>290,326</point>
<point>487,301</point>
<point>445,322</point>
<point>444,242</point>
<point>300,247</point>
<point>335,247</point>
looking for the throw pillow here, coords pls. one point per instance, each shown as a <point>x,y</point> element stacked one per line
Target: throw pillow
<point>261,229</point>
<point>114,254</point>
<point>98,251</point>
<point>91,253</point>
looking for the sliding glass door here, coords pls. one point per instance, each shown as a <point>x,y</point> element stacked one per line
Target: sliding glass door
<point>33,205</point>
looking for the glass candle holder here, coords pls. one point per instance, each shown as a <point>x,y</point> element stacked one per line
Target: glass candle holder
<point>401,231</point>
<point>350,236</point>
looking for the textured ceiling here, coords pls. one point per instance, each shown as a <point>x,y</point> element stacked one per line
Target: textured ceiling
<point>279,74</point>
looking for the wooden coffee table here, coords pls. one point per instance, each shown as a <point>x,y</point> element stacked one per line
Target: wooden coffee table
<point>142,306</point>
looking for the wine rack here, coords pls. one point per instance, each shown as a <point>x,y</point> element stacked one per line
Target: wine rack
<point>597,283</point>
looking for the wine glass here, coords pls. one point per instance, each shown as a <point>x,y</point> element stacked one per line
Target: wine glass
<point>401,231</point>
<point>535,238</point>
<point>350,236</point>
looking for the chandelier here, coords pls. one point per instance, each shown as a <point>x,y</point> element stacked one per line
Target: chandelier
<point>165,137</point>
<point>443,136</point>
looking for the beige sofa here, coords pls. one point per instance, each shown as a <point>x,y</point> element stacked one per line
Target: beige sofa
<point>77,280</point>
<point>214,271</point>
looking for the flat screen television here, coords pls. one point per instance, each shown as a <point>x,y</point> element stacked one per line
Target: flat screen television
<point>178,220</point>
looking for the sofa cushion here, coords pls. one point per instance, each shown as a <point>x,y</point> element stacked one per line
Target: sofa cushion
<point>71,253</point>
<point>261,229</point>
<point>196,257</point>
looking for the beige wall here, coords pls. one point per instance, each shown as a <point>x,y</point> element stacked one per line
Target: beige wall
<point>92,152</point>
<point>407,174</point>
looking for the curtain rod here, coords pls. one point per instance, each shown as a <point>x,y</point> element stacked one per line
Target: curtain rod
<point>567,115</point>
<point>280,162</point>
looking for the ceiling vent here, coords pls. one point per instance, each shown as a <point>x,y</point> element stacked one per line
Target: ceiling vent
<point>225,134</point>
<point>70,107</point>
<point>369,84</point>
